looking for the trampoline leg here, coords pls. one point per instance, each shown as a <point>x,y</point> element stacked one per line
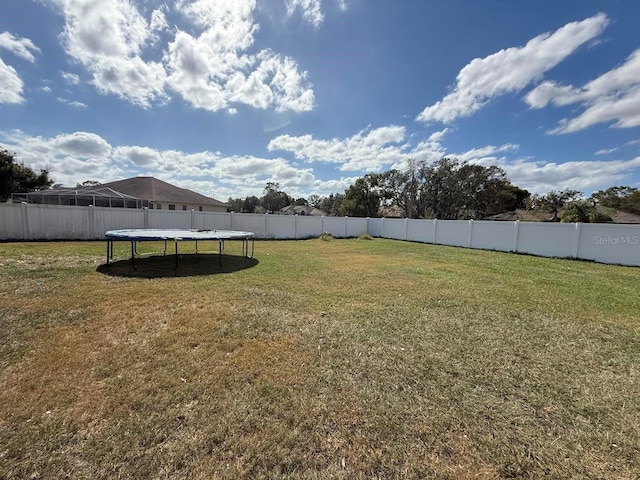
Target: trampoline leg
<point>109,251</point>
<point>176,266</point>
<point>133,254</point>
<point>220,250</point>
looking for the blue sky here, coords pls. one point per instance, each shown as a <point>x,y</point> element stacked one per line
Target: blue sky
<point>223,96</point>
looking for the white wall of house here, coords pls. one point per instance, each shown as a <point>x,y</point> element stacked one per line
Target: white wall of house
<point>605,243</point>
<point>187,207</point>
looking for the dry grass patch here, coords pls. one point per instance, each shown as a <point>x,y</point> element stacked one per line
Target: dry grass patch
<point>341,359</point>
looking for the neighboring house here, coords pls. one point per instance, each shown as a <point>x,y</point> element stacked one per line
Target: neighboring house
<point>164,196</point>
<point>302,210</point>
<point>137,192</point>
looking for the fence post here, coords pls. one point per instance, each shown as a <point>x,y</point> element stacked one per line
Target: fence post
<point>346,222</point>
<point>145,217</point>
<point>470,240</point>
<point>382,228</point>
<point>576,240</point>
<point>295,226</point>
<point>406,229</point>
<point>516,236</point>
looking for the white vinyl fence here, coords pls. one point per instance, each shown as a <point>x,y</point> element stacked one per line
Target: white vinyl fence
<point>605,243</point>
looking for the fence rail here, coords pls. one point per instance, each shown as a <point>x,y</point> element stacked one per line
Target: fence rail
<point>605,243</point>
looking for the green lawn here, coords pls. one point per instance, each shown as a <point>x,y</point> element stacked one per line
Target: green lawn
<point>320,359</point>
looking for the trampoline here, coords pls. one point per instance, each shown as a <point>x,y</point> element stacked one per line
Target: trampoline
<point>136,235</point>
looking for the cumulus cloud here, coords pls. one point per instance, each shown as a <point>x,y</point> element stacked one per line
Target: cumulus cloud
<point>70,78</point>
<point>108,39</point>
<point>369,149</point>
<point>75,157</point>
<point>11,85</point>
<point>21,47</point>
<point>209,60</point>
<point>310,9</point>
<point>612,97</point>
<point>585,176</point>
<point>212,68</point>
<point>511,70</point>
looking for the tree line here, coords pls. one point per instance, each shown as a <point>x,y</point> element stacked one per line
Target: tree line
<point>448,189</point>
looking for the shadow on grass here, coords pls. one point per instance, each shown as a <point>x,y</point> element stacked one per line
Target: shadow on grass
<point>187,265</point>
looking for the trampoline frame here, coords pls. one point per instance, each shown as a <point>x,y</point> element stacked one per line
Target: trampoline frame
<point>136,235</point>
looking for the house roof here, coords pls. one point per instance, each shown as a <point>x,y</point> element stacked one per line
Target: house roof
<point>303,210</point>
<point>151,188</point>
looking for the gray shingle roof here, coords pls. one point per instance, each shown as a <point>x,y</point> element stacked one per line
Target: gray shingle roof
<point>150,188</point>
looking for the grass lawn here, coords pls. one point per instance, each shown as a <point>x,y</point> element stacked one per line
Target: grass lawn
<point>321,359</point>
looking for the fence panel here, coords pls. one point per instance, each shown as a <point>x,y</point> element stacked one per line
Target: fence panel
<point>610,243</point>
<point>11,226</point>
<point>395,228</point>
<point>281,226</point>
<point>453,232</point>
<point>499,236</point>
<point>547,239</point>
<point>374,226</point>
<point>251,222</point>
<point>335,226</point>
<point>421,231</point>
<point>48,222</point>
<point>308,227</point>
<point>356,227</point>
<point>105,218</point>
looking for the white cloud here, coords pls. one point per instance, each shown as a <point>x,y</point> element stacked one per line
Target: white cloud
<point>511,70</point>
<point>108,38</point>
<point>79,156</point>
<point>486,155</point>
<point>368,150</point>
<point>82,144</point>
<point>606,151</point>
<point>73,103</point>
<point>70,78</point>
<point>585,176</point>
<point>310,9</point>
<point>21,47</point>
<point>613,96</point>
<point>213,69</point>
<point>208,61</point>
<point>11,84</point>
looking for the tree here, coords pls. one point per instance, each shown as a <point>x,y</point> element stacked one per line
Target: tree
<point>626,199</point>
<point>553,201</point>
<point>583,211</point>
<point>235,204</point>
<point>405,188</point>
<point>331,204</point>
<point>361,199</point>
<point>315,200</point>
<point>88,183</point>
<point>250,204</point>
<point>19,178</point>
<point>274,199</point>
